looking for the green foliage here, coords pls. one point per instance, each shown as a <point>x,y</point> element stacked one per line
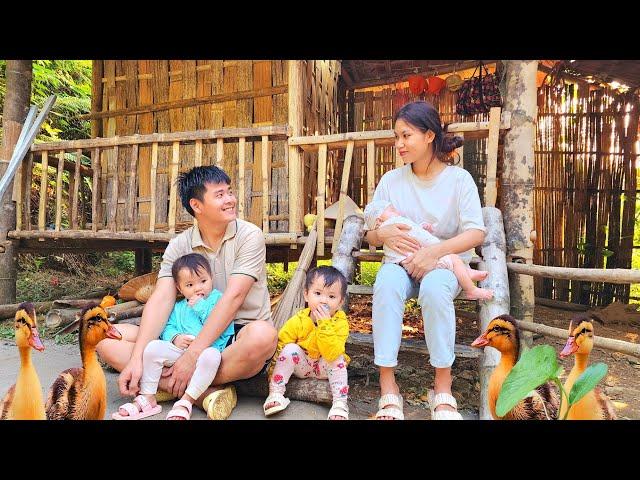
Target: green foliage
<point>535,367</point>
<point>7,330</point>
<point>587,381</point>
<point>70,81</point>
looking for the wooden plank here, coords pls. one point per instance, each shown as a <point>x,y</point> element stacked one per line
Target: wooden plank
<point>112,210</point>
<point>44,182</point>
<point>59,191</point>
<point>322,176</point>
<point>96,198</point>
<point>346,170</point>
<point>490,188</point>
<point>132,206</point>
<point>219,152</point>
<point>17,194</point>
<point>28,180</point>
<point>266,169</point>
<point>173,192</point>
<point>198,154</point>
<point>371,169</point>
<point>76,190</point>
<point>146,125</point>
<point>153,186</point>
<point>241,194</point>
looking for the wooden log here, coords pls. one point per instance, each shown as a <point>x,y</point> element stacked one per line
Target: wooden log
<point>610,275</point>
<point>611,344</point>
<point>44,182</point>
<point>494,261</point>
<point>275,132</point>
<point>547,302</point>
<point>59,191</point>
<point>69,319</point>
<point>188,102</point>
<point>75,303</point>
<point>322,182</point>
<point>517,180</point>
<point>60,317</point>
<point>9,311</point>
<point>303,389</point>
<point>344,185</point>
<point>296,104</point>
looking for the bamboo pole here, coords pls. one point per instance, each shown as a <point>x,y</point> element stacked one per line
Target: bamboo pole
<point>113,210</point>
<point>76,191</point>
<point>494,261</point>
<point>371,166</point>
<point>173,188</point>
<point>17,194</point>
<point>241,194</point>
<point>461,152</point>
<point>491,188</point>
<point>132,210</point>
<point>609,275</point>
<point>44,181</point>
<point>59,191</point>
<point>344,184</point>
<point>517,181</point>
<point>265,184</point>
<point>26,188</point>
<point>153,183</point>
<point>322,183</point>
<point>219,152</point>
<point>296,102</point>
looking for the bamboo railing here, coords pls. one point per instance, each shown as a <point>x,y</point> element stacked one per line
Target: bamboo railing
<point>114,179</point>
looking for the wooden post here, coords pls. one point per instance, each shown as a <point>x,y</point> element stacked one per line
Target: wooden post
<point>42,206</point>
<point>371,175</point>
<point>517,180</point>
<point>241,194</point>
<point>16,105</point>
<point>322,182</point>
<point>461,151</point>
<point>132,210</point>
<point>59,190</point>
<point>173,188</point>
<point>265,183</point>
<point>296,120</point>
<point>490,189</point>
<point>344,184</point>
<point>219,152</point>
<point>153,182</point>
<point>494,255</point>
<point>350,240</point>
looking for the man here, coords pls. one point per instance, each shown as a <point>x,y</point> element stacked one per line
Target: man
<point>237,253</point>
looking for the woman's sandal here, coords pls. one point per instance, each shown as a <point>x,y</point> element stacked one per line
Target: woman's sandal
<point>138,409</point>
<point>339,409</point>
<point>281,401</point>
<point>390,405</point>
<point>442,399</point>
<point>184,413</point>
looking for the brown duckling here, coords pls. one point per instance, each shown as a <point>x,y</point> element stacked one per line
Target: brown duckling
<point>502,334</point>
<point>594,405</point>
<point>81,393</point>
<point>23,401</point>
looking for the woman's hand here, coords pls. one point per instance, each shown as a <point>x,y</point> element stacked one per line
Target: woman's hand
<point>422,262</point>
<point>396,237</point>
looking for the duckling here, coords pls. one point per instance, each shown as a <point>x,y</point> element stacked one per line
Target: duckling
<point>23,401</point>
<point>594,405</point>
<point>502,334</point>
<point>81,393</point>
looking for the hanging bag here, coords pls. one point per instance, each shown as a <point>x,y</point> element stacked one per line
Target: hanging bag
<point>479,94</point>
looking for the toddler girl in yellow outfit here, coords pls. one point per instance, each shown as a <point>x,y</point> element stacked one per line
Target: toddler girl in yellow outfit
<point>312,343</point>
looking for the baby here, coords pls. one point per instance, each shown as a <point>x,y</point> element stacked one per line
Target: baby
<point>381,213</point>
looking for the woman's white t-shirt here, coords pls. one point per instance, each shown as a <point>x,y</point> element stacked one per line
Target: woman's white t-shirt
<point>450,201</point>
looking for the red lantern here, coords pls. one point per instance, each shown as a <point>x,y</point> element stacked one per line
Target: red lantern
<point>435,85</point>
<point>417,84</point>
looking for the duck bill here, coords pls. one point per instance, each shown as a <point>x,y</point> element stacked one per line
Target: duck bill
<point>113,333</point>
<point>481,341</point>
<point>570,348</point>
<point>34,340</point>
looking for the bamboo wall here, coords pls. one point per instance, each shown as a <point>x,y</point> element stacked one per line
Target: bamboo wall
<point>585,194</point>
<point>204,94</point>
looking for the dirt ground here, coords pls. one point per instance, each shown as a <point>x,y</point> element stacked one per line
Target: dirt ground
<point>622,383</point>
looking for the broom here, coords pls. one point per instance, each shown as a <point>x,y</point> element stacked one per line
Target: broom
<point>292,299</point>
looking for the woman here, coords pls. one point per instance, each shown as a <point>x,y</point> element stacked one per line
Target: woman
<point>428,188</point>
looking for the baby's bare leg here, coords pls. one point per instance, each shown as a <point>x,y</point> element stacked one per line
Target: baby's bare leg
<point>465,280</point>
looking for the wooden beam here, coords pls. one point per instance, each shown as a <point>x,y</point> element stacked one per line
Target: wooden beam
<point>275,132</point>
<point>188,102</point>
<point>609,275</point>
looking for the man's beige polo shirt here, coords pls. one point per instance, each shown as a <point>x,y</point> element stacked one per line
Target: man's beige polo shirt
<point>242,252</point>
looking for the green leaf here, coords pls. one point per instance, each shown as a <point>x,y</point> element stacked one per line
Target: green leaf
<point>606,252</point>
<point>587,381</point>
<point>534,368</point>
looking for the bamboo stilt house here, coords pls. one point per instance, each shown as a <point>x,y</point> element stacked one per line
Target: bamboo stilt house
<point>289,132</point>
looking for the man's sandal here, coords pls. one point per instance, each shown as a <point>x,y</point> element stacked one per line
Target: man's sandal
<point>183,413</point>
<point>442,399</point>
<point>339,409</point>
<point>390,405</point>
<point>136,410</point>
<point>220,403</point>
<point>281,403</point>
